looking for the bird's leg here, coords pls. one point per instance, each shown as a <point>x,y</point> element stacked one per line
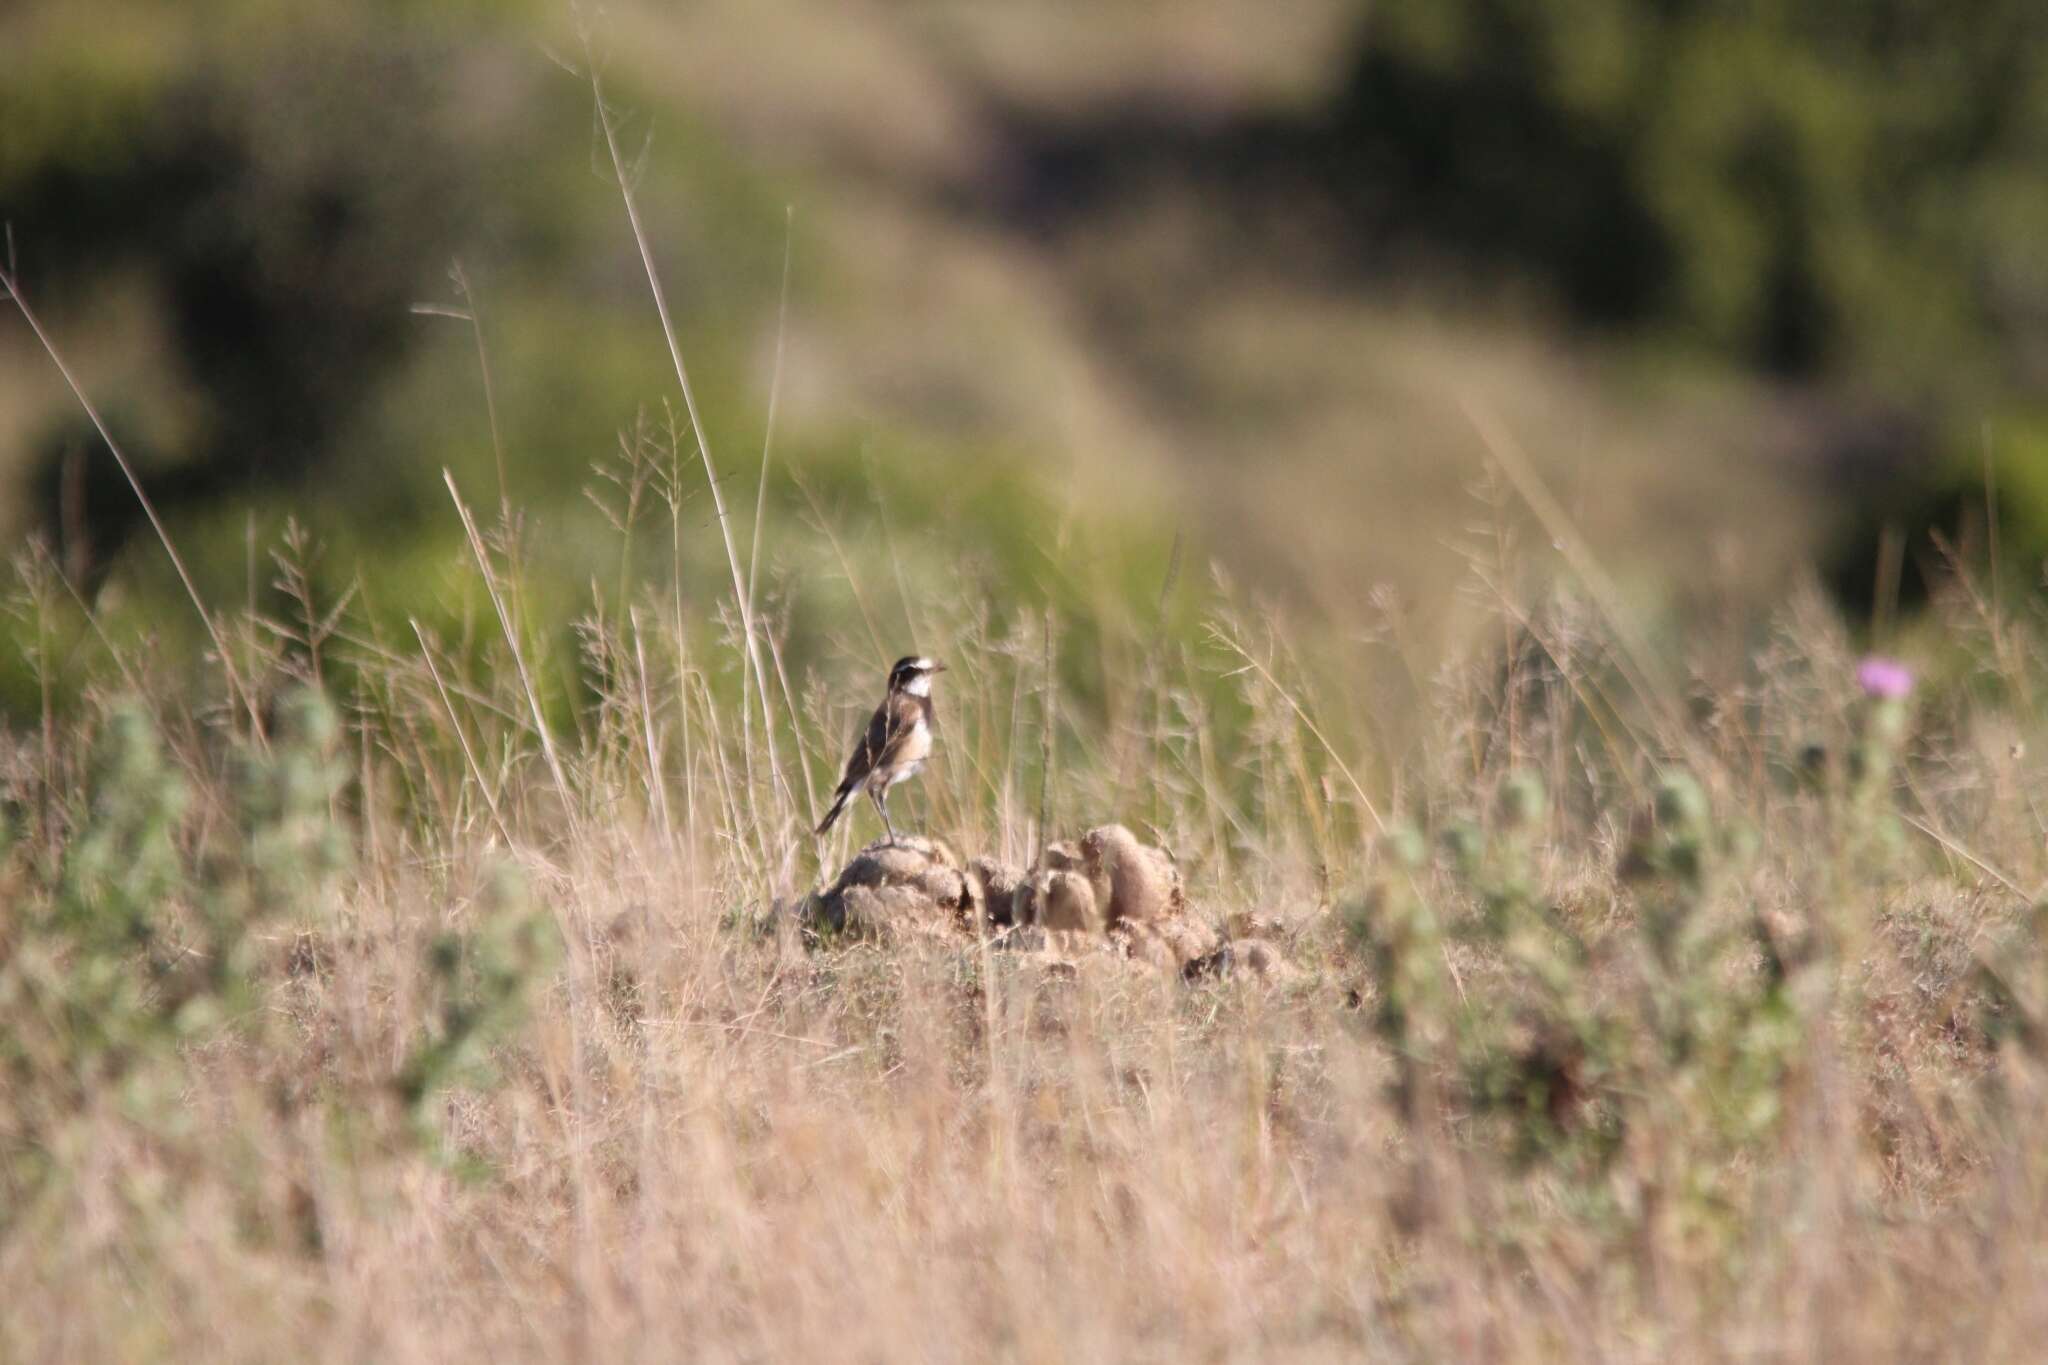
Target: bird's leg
<point>881,800</point>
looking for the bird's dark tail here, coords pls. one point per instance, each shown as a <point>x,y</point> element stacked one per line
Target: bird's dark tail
<point>838,805</point>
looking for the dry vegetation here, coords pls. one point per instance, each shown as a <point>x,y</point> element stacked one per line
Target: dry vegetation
<point>374,997</point>
<point>1676,1010</point>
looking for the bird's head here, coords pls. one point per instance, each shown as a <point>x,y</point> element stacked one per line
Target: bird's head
<point>913,674</point>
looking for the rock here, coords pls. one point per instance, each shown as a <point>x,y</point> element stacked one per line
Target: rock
<point>1020,938</point>
<point>1110,881</point>
<point>1064,901</point>
<point>1058,949</point>
<point>1064,856</point>
<point>914,883</point>
<point>1251,924</point>
<point>1243,957</point>
<point>1107,895</point>
<point>885,911</point>
<point>1140,942</point>
<point>1166,943</point>
<point>1133,880</point>
<point>1024,902</point>
<point>997,883</point>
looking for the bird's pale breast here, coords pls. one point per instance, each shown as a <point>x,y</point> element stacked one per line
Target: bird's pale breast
<point>910,755</point>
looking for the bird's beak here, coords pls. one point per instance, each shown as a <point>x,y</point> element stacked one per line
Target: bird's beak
<point>938,668</point>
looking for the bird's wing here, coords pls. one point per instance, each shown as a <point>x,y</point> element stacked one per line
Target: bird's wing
<point>885,728</point>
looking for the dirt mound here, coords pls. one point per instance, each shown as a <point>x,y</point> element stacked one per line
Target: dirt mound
<point>914,885</point>
<point>1105,879</point>
<point>1243,957</point>
<point>1134,880</point>
<point>1106,891</point>
<point>998,882</point>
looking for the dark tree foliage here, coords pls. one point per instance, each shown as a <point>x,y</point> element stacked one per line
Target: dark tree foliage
<point>1851,190</point>
<point>1852,187</point>
<point>277,215</point>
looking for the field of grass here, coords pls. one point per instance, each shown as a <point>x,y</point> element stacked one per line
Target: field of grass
<point>1642,1001</point>
<point>408,947</point>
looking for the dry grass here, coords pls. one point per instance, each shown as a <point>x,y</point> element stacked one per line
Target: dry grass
<point>705,1133</point>
<point>480,1023</point>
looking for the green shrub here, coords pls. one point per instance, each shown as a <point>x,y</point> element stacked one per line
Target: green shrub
<point>1575,1036</point>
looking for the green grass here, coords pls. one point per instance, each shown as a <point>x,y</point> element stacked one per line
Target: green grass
<point>1142,375</point>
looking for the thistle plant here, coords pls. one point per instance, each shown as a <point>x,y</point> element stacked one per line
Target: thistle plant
<point>141,938</point>
<point>1880,722</point>
<point>293,846</point>
<point>1574,1038</point>
<point>123,861</point>
<point>484,979</point>
<point>1393,929</point>
<point>1722,1027</point>
<point>1532,1055</point>
<point>105,948</point>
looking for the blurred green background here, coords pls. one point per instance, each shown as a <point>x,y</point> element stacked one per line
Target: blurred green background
<point>1075,291</point>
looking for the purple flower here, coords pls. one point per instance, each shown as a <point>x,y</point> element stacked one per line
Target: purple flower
<point>1884,679</point>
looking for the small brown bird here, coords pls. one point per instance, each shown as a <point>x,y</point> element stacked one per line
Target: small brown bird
<point>897,741</point>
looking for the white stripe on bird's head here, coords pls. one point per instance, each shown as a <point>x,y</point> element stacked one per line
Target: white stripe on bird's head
<point>913,674</point>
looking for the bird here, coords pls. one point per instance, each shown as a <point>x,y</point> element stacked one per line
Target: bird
<point>895,744</point>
